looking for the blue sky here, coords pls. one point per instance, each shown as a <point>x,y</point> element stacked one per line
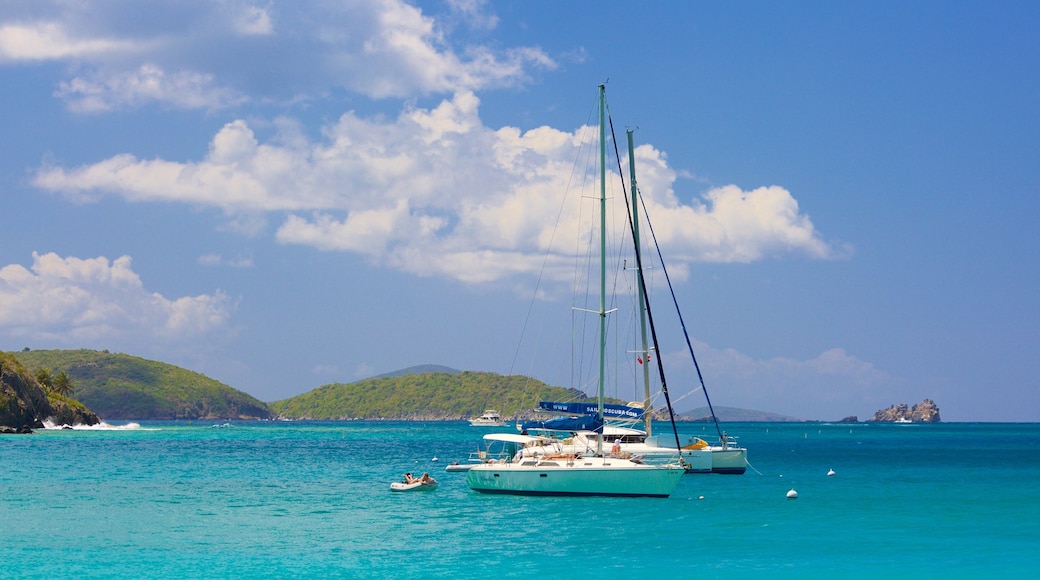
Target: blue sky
<point>285,194</point>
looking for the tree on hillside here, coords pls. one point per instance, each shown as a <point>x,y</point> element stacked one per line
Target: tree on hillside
<point>63,385</point>
<point>46,380</point>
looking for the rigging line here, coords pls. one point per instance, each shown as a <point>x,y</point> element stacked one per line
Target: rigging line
<point>545,261</point>
<point>682,323</point>
<point>649,313</point>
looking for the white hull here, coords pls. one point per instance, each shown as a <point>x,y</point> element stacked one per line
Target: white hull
<point>731,461</point>
<point>490,418</point>
<point>401,486</point>
<point>591,476</point>
<point>697,460</point>
<point>457,467</point>
<point>707,459</point>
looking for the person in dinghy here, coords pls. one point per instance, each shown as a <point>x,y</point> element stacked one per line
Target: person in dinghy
<point>425,479</point>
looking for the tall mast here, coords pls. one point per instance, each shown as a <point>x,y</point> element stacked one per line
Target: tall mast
<point>647,419</point>
<point>602,259</point>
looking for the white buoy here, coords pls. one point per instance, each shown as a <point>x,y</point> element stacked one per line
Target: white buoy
<point>792,494</point>
<point>434,460</point>
<point>701,497</point>
<point>831,472</point>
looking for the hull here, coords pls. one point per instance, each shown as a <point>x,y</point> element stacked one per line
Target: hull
<point>484,423</point>
<point>490,418</point>
<point>400,486</point>
<point>459,467</point>
<point>575,477</point>
<point>699,460</point>
<point>728,461</point>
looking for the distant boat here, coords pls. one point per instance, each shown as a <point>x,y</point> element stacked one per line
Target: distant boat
<point>597,473</point>
<point>903,420</point>
<point>490,418</point>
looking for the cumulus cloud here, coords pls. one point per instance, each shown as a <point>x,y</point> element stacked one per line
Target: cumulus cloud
<point>435,192</point>
<point>210,55</point>
<point>149,83</point>
<point>74,302</point>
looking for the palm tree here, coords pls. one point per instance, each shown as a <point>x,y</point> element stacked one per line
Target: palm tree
<point>63,385</point>
<point>46,380</point>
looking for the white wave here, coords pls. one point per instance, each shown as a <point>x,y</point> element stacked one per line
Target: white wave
<point>102,426</point>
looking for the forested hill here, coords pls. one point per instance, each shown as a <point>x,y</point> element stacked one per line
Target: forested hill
<point>120,386</point>
<point>429,396</point>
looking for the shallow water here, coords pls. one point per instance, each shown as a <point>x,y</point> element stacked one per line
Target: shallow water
<point>269,499</point>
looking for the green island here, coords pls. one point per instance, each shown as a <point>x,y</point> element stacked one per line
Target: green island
<point>68,387</point>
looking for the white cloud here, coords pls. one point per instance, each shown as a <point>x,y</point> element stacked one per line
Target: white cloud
<point>43,41</point>
<point>218,260</point>
<point>74,302</point>
<point>218,54</point>
<point>435,192</point>
<point>474,13</point>
<point>149,83</point>
<point>253,21</point>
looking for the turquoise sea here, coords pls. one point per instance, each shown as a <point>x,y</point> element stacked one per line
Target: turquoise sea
<point>281,499</point>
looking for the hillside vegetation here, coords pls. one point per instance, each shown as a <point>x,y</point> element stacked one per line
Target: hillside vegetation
<point>25,403</point>
<point>120,386</point>
<point>428,396</point>
<point>124,387</point>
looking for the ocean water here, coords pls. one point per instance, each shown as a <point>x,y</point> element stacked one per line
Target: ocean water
<point>273,500</point>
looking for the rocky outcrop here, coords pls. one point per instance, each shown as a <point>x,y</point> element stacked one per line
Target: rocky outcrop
<point>68,412</point>
<point>24,404</point>
<point>924,412</point>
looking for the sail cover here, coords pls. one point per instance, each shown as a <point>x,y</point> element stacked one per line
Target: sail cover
<point>609,411</point>
<point>576,423</point>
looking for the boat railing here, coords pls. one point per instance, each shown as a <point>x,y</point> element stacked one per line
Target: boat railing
<point>485,456</point>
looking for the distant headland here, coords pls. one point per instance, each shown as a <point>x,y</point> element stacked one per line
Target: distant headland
<point>124,387</point>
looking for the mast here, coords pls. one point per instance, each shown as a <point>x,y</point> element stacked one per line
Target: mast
<point>602,261</point>
<point>647,420</point>
<point>649,312</point>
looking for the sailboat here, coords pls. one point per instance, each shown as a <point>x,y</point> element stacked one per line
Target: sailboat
<point>598,473</point>
<point>698,456</point>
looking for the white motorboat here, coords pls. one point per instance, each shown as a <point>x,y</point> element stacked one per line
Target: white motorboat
<point>490,418</point>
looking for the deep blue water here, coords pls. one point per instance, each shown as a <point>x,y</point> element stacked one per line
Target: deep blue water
<point>278,499</point>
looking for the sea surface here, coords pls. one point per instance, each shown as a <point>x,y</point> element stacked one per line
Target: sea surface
<point>312,499</point>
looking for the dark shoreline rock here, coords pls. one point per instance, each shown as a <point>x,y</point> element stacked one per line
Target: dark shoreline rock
<point>924,412</point>
<point>24,404</point>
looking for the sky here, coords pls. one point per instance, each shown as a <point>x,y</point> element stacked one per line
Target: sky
<point>281,195</point>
